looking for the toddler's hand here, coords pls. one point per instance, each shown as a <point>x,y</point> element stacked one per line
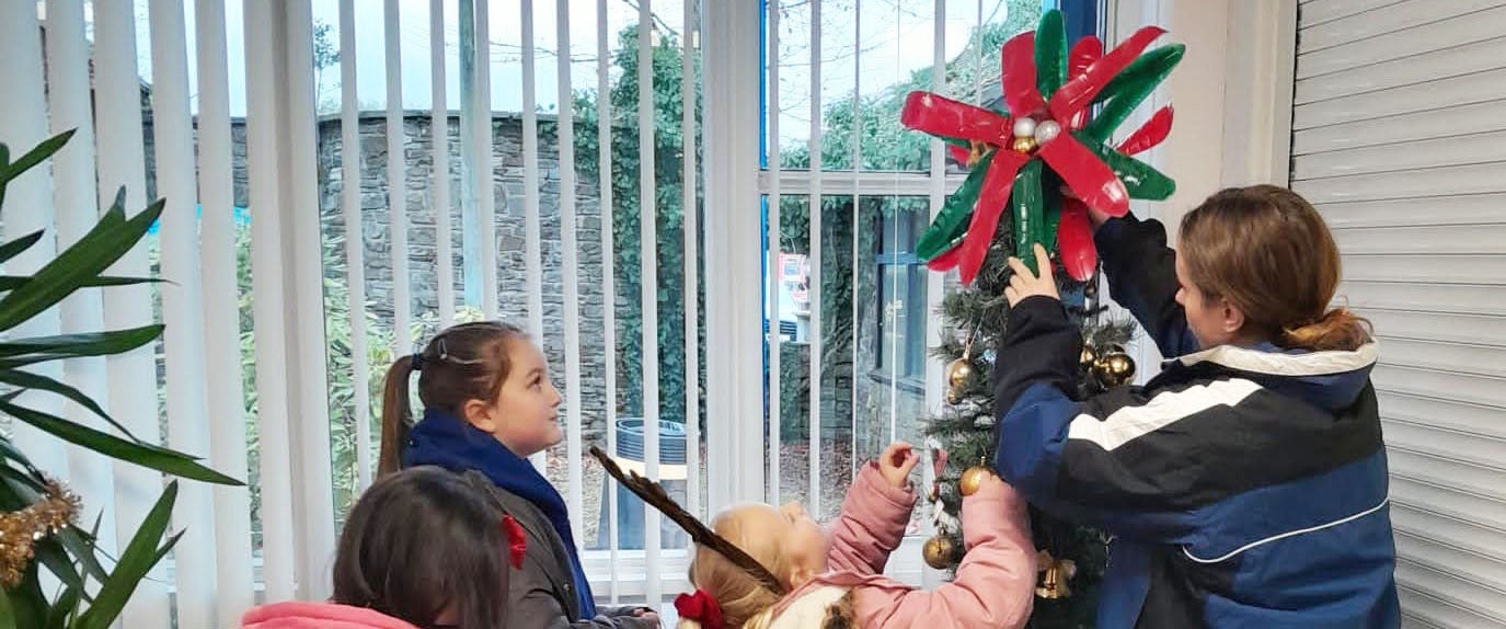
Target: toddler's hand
<point>1026,284</point>
<point>896,462</point>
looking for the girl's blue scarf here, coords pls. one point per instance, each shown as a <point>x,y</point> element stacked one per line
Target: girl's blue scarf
<point>449,442</point>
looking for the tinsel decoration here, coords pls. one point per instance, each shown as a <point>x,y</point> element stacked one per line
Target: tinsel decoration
<point>20,530</point>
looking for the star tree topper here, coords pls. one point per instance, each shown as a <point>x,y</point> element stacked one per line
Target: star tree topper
<point>1047,139</point>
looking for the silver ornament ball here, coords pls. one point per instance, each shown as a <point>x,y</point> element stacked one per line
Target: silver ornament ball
<point>1046,131</point>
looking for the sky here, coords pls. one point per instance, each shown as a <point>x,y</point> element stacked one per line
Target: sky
<point>897,38</point>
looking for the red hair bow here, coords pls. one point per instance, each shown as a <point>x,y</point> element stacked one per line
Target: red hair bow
<point>701,608</point>
<point>517,541</point>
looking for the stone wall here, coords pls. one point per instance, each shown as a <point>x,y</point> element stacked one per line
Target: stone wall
<point>507,176</point>
<point>507,185</point>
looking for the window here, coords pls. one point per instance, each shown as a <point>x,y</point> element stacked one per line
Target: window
<point>900,343</point>
<point>836,74</point>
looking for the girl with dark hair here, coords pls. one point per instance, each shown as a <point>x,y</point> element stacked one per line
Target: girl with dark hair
<point>423,548</point>
<point>488,406</point>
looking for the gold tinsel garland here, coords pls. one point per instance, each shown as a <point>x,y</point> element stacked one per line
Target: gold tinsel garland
<point>19,530</point>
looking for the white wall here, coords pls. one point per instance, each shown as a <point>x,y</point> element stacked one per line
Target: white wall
<point>1232,100</point>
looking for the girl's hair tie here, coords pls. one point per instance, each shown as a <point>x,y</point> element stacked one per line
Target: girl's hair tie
<point>701,608</point>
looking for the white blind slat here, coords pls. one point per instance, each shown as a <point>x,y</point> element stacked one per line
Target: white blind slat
<point>813,495</point>
<point>1448,501</point>
<point>533,262</point>
<point>1454,61</point>
<point>74,196</point>
<point>1454,357</point>
<point>274,443</point>
<point>1446,210</point>
<point>310,368</point>
<point>1440,385</point>
<point>23,125</point>
<point>1420,437</point>
<point>439,186</point>
<point>1478,539</point>
<point>1320,11</point>
<point>1454,587</point>
<point>222,333</point>
<point>1487,482</point>
<point>1398,131</point>
<point>351,168</point>
<point>397,182</point>
<point>182,295</point>
<point>1412,155</point>
<point>1450,268</point>
<point>1465,29</point>
<point>1420,97</point>
<point>569,273</point>
<point>1470,566</point>
<point>1453,298</point>
<point>1445,240</point>
<point>690,43</point>
<point>1469,418</point>
<point>774,337</point>
<point>1446,181</point>
<point>608,275</point>
<point>1390,18</point>
<point>1429,612</point>
<point>648,236</point>
<point>122,162</point>
<point>483,170</point>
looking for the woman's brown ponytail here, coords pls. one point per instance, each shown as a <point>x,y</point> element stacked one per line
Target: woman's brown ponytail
<point>1337,329</point>
<point>397,416</point>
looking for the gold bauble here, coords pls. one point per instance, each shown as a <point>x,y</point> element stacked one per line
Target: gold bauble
<point>1023,145</point>
<point>953,397</point>
<point>1115,369</point>
<point>939,552</point>
<point>1053,583</point>
<point>959,372</point>
<point>1087,357</point>
<point>972,480</point>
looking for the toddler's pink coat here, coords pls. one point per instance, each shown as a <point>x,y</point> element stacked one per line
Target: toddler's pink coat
<point>994,586</point>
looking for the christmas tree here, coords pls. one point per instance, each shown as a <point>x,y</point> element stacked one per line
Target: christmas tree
<point>1051,133</point>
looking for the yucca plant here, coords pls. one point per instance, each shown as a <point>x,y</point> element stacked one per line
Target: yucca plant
<point>38,516</point>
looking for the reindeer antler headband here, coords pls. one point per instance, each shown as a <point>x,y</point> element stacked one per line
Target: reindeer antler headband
<point>656,497</point>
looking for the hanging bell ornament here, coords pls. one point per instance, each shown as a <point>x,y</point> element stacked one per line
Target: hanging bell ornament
<point>939,552</point>
<point>972,480</point>
<point>1114,369</point>
<point>1053,583</point>
<point>1023,145</point>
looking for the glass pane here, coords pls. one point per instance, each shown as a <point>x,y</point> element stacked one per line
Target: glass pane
<point>872,56</point>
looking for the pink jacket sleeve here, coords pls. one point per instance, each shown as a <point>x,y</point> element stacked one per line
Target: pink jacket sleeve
<point>872,524</point>
<point>995,585</point>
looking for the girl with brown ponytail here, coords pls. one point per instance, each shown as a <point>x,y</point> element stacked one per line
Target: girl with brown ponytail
<point>488,406</point>
<point>1246,485</point>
